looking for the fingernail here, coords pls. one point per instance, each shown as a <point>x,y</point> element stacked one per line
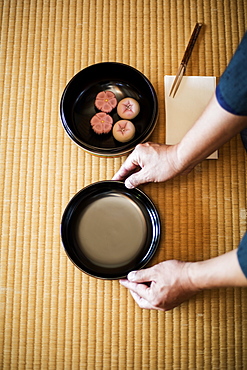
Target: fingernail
<point>128,184</point>
<point>131,276</point>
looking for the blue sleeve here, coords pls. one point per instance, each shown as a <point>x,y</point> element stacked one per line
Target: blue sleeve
<point>242,254</point>
<point>231,94</point>
<point>231,91</point>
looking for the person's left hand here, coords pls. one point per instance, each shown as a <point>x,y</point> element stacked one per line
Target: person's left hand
<point>161,287</point>
<point>149,162</point>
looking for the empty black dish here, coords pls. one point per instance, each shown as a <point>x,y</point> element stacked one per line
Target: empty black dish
<point>108,230</point>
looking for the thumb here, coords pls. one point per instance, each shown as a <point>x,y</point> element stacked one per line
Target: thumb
<point>141,276</point>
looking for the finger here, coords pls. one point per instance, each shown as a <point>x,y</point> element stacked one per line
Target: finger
<point>142,290</point>
<point>140,293</point>
<point>121,176</point>
<point>142,276</point>
<point>136,179</point>
<point>132,286</point>
<point>124,282</point>
<point>135,287</point>
<point>142,303</point>
<point>128,167</point>
<point>124,172</point>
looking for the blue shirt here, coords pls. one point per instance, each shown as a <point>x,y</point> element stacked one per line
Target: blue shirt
<point>231,94</point>
<point>231,91</point>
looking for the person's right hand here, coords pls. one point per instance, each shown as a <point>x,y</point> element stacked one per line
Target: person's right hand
<point>162,286</point>
<point>170,283</point>
<point>149,162</point>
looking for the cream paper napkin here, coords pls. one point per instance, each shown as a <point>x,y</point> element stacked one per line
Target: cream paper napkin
<point>189,102</point>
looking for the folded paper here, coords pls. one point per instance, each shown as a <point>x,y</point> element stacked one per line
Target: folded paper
<point>184,109</point>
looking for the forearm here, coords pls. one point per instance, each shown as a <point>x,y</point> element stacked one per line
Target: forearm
<point>213,128</point>
<point>151,162</point>
<point>169,283</point>
<point>221,271</point>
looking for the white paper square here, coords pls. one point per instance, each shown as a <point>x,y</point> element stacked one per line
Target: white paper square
<point>184,109</point>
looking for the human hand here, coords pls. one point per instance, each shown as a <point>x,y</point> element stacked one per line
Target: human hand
<point>161,287</point>
<point>149,162</point>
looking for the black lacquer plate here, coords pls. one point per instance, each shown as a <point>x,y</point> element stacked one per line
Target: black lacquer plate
<point>77,106</point>
<point>86,198</point>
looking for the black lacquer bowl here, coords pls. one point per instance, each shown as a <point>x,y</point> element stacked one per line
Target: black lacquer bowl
<point>77,106</point>
<point>110,242</point>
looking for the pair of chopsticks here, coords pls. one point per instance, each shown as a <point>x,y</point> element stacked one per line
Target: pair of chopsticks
<point>186,57</point>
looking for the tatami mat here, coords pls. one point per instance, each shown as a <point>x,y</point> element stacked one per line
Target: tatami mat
<point>52,315</point>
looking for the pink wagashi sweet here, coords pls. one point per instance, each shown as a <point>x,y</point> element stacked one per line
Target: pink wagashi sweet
<point>106,101</point>
<point>101,123</point>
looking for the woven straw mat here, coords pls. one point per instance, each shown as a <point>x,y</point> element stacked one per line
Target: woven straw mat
<point>53,316</point>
